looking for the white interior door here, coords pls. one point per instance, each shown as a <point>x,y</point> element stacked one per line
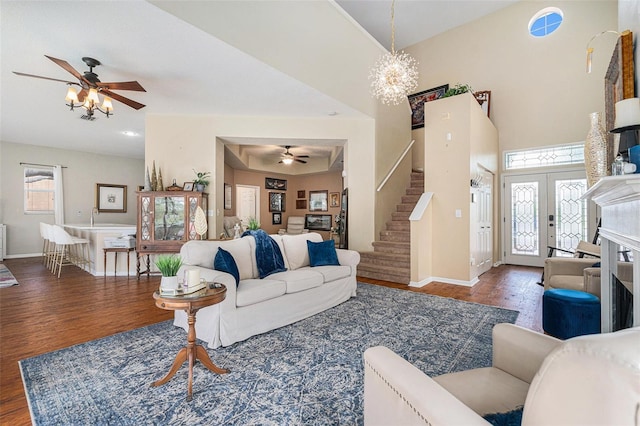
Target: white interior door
<point>482,224</point>
<point>543,210</point>
<point>247,203</point>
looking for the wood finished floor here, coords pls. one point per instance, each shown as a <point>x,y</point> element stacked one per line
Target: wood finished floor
<point>45,313</point>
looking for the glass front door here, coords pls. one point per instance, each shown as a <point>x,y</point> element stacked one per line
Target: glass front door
<point>541,210</point>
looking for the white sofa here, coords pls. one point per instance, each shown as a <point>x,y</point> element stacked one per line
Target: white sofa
<point>592,379</point>
<point>260,305</point>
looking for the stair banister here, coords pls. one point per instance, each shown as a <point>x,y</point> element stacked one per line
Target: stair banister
<point>395,166</point>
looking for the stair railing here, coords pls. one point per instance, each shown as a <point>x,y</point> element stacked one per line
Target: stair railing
<point>395,166</point>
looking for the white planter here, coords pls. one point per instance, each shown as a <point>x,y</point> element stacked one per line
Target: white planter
<point>169,283</point>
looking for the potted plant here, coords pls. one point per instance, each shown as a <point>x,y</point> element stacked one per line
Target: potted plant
<point>168,265</point>
<point>253,224</point>
<point>201,180</point>
<point>458,89</point>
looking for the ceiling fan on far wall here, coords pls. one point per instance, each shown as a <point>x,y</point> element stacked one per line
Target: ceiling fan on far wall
<point>90,85</point>
<point>288,157</point>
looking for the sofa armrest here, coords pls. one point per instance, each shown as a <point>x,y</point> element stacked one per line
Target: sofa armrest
<point>397,393</point>
<point>348,257</point>
<point>520,351</point>
<point>592,280</point>
<point>566,266</point>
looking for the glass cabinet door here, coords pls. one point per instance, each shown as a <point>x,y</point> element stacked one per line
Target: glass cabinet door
<point>169,216</point>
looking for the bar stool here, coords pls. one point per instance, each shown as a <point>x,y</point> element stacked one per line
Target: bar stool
<point>116,250</point>
<point>69,250</point>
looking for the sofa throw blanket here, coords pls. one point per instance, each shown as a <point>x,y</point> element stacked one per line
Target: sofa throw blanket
<point>268,254</point>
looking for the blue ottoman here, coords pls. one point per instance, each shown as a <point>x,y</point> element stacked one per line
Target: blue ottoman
<point>569,313</point>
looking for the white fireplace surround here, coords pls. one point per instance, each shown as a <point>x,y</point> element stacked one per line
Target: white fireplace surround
<point>619,200</point>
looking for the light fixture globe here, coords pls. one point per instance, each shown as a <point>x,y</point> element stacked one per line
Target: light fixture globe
<point>393,77</point>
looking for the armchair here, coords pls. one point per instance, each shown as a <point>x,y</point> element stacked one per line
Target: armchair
<point>588,379</point>
<point>295,225</point>
<point>580,274</point>
<point>228,224</point>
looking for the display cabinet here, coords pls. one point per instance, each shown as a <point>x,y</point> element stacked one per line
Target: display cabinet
<point>166,220</point>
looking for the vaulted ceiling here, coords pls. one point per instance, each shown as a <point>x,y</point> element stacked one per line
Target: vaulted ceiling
<point>184,70</point>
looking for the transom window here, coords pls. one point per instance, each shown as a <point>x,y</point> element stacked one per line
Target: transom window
<point>39,190</point>
<point>545,22</point>
<point>543,157</point>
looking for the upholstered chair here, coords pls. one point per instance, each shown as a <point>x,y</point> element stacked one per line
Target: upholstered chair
<point>228,224</point>
<point>593,379</point>
<point>295,225</point>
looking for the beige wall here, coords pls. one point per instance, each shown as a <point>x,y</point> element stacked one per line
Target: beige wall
<point>331,182</point>
<point>540,92</point>
<point>460,139</point>
<point>180,143</point>
<point>82,172</point>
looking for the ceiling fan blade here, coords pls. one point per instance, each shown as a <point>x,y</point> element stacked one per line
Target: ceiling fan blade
<point>302,156</point>
<point>64,64</point>
<point>44,78</point>
<point>122,85</point>
<point>81,95</point>
<point>130,102</point>
<point>301,161</point>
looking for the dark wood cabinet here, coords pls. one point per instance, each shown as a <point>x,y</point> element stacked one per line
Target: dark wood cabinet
<point>166,220</point>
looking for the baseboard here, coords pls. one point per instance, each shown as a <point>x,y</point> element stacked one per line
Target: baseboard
<point>426,281</point>
<point>20,256</point>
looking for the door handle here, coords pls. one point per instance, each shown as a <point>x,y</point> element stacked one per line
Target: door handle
<point>550,218</point>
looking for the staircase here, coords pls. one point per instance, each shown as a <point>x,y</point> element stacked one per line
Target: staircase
<point>390,259</point>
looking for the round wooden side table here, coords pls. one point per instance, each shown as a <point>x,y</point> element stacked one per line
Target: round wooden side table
<point>191,303</point>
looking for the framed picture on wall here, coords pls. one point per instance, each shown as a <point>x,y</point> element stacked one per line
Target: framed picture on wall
<point>318,201</point>
<point>227,196</point>
<point>111,198</point>
<point>417,100</point>
<point>318,222</point>
<point>276,219</point>
<point>334,199</point>
<point>301,204</point>
<point>273,183</point>
<point>277,201</point>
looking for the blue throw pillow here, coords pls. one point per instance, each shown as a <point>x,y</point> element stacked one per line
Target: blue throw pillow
<point>225,262</point>
<point>511,418</point>
<point>321,254</point>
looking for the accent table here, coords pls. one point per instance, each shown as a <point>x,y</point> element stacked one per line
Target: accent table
<point>191,303</point>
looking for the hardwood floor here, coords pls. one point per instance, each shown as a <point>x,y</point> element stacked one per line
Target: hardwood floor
<point>45,313</point>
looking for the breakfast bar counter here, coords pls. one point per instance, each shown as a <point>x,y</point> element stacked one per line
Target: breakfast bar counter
<point>96,235</point>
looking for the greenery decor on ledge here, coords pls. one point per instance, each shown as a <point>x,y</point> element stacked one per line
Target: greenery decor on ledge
<point>458,89</point>
<point>169,265</point>
<point>201,180</point>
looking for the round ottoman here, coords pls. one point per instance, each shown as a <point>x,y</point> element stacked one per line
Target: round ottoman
<point>569,313</point>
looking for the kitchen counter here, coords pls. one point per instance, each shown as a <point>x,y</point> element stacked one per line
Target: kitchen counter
<point>96,235</point>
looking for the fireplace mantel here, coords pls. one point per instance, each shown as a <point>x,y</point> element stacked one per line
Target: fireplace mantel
<point>619,200</point>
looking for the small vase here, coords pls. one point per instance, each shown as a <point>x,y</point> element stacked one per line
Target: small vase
<point>595,151</point>
<point>169,284</point>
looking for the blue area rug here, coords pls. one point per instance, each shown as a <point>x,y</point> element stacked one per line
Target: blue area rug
<point>308,373</point>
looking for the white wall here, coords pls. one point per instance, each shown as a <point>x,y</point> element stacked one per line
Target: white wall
<point>82,172</point>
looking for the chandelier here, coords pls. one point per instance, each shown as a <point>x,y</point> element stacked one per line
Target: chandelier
<point>91,103</point>
<point>394,75</point>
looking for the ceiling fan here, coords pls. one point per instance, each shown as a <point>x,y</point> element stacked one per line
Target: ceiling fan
<point>90,85</point>
<point>288,158</point>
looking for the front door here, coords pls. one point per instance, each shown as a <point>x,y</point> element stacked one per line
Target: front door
<point>541,210</point>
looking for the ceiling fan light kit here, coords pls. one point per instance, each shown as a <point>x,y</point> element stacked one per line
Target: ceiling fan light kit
<point>288,158</point>
<point>90,85</point>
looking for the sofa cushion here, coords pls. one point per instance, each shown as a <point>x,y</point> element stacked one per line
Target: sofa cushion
<point>202,253</point>
<point>295,248</point>
<point>252,291</point>
<point>299,280</point>
<point>323,253</point>
<point>224,262</point>
<point>331,273</point>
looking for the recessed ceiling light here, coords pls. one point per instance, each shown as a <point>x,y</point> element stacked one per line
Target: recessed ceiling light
<point>130,133</point>
<point>333,114</point>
